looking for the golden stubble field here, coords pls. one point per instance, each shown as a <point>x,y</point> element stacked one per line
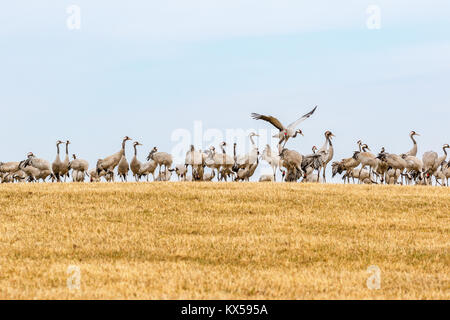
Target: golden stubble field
<point>223,241</point>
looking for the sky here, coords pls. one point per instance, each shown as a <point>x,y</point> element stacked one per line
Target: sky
<point>152,69</point>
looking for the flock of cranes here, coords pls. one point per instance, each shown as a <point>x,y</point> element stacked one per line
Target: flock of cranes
<point>208,165</point>
<point>390,168</point>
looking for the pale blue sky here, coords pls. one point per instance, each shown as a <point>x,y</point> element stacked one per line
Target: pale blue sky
<point>147,68</point>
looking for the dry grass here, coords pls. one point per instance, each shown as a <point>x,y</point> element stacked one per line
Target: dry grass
<point>224,241</point>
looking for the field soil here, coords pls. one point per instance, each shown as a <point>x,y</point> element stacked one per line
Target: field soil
<point>224,241</point>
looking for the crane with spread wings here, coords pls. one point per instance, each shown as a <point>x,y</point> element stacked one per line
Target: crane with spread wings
<point>285,132</point>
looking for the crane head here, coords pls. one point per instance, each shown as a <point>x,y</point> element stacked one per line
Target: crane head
<point>283,152</point>
<point>381,156</point>
<point>413,133</point>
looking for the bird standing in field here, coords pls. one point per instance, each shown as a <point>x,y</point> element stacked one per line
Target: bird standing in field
<point>123,168</point>
<point>43,167</point>
<point>366,159</point>
<point>162,159</point>
<point>109,163</point>
<point>57,164</point>
<point>431,162</point>
<point>135,164</point>
<point>64,169</point>
<point>285,132</point>
<point>327,152</point>
<point>79,168</point>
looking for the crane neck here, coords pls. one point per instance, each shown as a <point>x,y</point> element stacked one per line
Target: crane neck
<point>67,149</point>
<point>135,150</point>
<point>325,145</point>
<point>123,144</point>
<point>413,151</point>
<point>252,141</point>
<point>57,148</point>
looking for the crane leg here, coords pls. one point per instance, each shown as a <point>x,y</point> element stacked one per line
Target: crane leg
<point>280,148</point>
<point>359,176</point>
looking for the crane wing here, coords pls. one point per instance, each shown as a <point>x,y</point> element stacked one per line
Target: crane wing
<point>294,124</point>
<point>274,121</point>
